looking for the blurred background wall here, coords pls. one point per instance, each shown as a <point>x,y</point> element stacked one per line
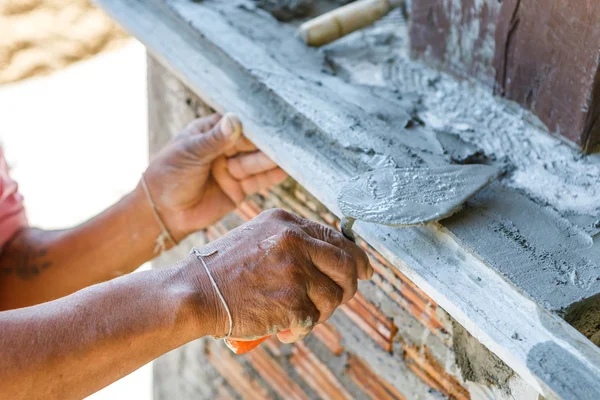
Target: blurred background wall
<point>41,36</point>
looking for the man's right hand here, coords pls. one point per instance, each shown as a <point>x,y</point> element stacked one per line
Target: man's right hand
<point>279,274</point>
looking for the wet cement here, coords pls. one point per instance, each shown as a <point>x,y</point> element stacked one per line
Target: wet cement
<point>475,362</point>
<point>412,196</point>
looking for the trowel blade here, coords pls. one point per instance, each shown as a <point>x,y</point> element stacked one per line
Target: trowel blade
<point>412,196</point>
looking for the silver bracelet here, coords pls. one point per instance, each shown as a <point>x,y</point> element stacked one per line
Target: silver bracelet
<point>201,256</point>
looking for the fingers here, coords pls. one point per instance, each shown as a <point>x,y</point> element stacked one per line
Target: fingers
<point>325,294</point>
<point>243,145</point>
<point>218,139</point>
<point>336,264</point>
<point>246,165</point>
<point>263,181</point>
<point>231,188</point>
<point>329,235</point>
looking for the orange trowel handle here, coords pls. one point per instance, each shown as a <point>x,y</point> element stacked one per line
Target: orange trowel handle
<point>243,346</point>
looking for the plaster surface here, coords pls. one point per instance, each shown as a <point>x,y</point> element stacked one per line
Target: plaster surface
<point>551,360</point>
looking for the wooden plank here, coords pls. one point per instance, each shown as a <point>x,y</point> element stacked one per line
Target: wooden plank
<point>283,113</point>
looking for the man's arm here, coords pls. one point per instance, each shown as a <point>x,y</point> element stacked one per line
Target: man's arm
<point>197,179</point>
<point>72,347</point>
<point>279,274</point>
<point>38,266</point>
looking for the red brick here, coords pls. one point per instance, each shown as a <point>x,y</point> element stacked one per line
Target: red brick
<point>275,376</point>
<point>369,382</point>
<point>316,374</point>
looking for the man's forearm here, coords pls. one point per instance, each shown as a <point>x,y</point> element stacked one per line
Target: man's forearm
<point>72,347</point>
<point>38,266</point>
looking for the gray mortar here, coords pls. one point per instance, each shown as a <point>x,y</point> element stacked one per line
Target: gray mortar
<point>550,360</point>
<point>460,151</point>
<point>476,363</point>
<point>412,196</point>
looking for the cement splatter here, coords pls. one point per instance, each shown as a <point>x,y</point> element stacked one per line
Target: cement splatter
<point>411,196</point>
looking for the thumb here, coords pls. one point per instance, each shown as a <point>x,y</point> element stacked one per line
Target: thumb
<point>219,139</point>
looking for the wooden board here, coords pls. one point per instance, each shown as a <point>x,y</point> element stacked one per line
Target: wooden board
<point>283,98</point>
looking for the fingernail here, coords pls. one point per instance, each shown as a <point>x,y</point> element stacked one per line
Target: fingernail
<point>231,127</point>
<point>371,271</point>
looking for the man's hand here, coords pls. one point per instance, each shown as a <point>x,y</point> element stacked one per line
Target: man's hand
<point>205,172</point>
<point>279,274</point>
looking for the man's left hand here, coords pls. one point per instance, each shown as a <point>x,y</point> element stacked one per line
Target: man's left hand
<point>205,172</point>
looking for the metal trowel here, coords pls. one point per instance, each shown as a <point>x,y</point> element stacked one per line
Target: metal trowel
<point>401,197</point>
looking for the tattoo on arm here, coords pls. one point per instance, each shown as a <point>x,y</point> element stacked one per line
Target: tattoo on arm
<point>24,258</point>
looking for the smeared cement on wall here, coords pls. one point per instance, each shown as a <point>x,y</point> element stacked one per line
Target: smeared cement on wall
<point>547,169</point>
<point>476,363</point>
